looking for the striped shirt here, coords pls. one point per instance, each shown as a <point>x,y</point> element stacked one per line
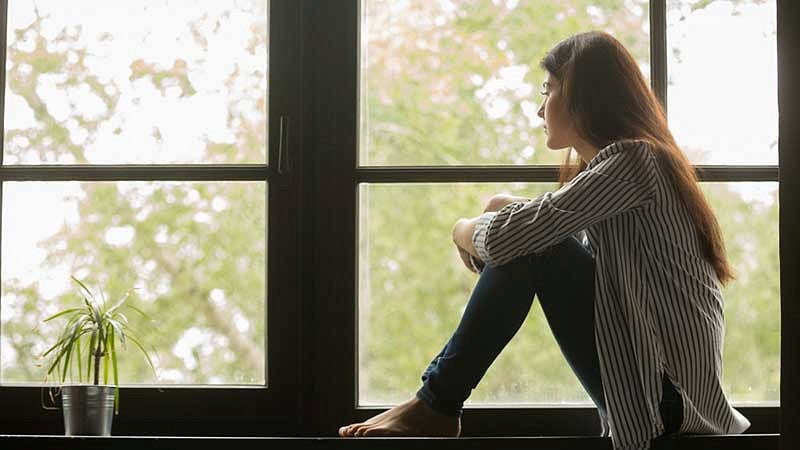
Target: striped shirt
<point>658,304</point>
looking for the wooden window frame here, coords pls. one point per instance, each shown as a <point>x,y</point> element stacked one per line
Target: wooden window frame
<point>312,318</point>
<point>335,114</point>
<point>207,410</point>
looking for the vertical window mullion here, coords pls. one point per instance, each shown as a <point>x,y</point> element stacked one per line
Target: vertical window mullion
<point>789,188</point>
<point>658,50</point>
<point>3,44</point>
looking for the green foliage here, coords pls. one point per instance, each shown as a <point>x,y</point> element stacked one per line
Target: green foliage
<point>424,102</point>
<point>424,109</point>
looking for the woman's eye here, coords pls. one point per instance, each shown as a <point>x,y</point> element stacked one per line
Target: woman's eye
<point>543,93</point>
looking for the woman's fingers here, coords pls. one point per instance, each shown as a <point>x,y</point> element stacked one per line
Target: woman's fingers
<point>465,258</point>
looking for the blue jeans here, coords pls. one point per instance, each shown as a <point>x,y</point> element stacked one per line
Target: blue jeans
<point>562,278</point>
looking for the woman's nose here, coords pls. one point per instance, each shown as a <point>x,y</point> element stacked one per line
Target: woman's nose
<point>540,112</point>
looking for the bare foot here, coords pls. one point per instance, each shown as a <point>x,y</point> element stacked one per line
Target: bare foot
<point>410,418</point>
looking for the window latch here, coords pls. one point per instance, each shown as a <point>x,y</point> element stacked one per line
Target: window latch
<point>284,164</point>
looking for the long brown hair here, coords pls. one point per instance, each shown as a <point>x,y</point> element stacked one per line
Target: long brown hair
<point>608,99</point>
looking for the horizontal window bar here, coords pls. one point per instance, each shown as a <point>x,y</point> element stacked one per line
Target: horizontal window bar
<point>472,174</point>
<point>366,175</point>
<point>196,172</point>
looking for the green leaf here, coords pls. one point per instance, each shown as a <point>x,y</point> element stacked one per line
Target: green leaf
<point>90,355</point>
<point>133,339</point>
<point>66,311</point>
<point>116,374</point>
<point>98,318</point>
<point>123,319</point>
<point>78,357</point>
<point>84,287</point>
<point>139,311</point>
<point>67,360</point>
<point>65,335</point>
<point>56,345</point>
<point>70,330</point>
<point>117,327</point>
<point>105,368</point>
<point>103,296</point>
<point>116,397</point>
<point>65,347</point>
<point>120,303</point>
<point>101,340</point>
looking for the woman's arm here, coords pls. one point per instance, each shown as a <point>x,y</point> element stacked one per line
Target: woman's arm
<point>621,182</point>
<point>464,229</point>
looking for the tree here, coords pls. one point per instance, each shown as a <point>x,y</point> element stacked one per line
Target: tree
<point>190,247</point>
<point>442,84</point>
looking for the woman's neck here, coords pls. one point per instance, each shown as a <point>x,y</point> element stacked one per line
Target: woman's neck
<point>586,150</point>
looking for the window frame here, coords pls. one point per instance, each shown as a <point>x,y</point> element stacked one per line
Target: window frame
<point>314,311</point>
<point>337,48</point>
<point>208,410</point>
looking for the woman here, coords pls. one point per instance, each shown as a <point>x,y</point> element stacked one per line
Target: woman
<point>626,258</point>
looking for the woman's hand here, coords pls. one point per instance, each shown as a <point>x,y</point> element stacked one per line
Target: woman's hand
<point>462,235</point>
<point>466,259</point>
<point>465,228</point>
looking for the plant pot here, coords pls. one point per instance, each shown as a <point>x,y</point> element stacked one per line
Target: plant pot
<point>88,409</point>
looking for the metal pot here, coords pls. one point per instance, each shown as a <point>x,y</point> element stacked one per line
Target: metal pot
<point>88,409</point>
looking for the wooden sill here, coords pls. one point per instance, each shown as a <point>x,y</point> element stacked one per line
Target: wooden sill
<point>691,442</point>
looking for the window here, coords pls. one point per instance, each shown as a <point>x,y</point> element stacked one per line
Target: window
<point>140,147</point>
<point>448,95</point>
<point>332,145</point>
<point>715,126</point>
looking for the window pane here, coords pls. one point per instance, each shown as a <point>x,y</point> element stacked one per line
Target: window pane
<point>196,251</point>
<point>144,82</point>
<point>413,289</point>
<point>451,83</point>
<point>748,215</point>
<point>723,80</point>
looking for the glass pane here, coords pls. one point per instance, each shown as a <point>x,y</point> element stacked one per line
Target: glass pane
<point>144,82</point>
<point>748,215</point>
<point>413,289</point>
<point>457,83</point>
<point>723,80</point>
<point>195,251</point>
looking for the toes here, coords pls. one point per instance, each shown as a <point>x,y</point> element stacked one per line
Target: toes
<point>347,431</point>
<point>368,430</point>
<point>355,430</point>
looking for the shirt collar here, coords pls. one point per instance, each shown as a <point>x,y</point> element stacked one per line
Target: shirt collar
<point>610,149</point>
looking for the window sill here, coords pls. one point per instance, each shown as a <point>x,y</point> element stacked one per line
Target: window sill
<point>704,442</point>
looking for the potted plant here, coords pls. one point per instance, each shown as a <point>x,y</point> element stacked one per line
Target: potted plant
<point>92,331</point>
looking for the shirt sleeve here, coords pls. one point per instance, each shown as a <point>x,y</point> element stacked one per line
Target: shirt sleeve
<point>621,182</point>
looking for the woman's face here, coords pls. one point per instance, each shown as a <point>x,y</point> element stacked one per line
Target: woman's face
<point>557,126</point>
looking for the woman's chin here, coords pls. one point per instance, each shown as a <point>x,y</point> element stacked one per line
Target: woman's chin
<point>554,145</point>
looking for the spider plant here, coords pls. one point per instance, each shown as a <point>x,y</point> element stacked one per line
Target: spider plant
<point>92,331</point>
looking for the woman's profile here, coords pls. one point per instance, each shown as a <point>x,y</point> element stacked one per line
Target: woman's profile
<point>626,259</point>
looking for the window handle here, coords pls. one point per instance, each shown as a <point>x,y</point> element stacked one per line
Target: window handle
<point>284,164</point>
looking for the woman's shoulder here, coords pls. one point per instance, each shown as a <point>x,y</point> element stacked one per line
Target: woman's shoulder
<point>637,151</point>
<point>642,147</point>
